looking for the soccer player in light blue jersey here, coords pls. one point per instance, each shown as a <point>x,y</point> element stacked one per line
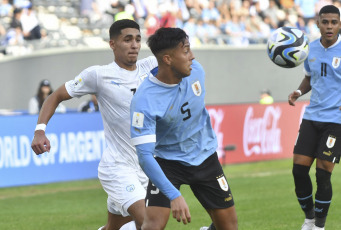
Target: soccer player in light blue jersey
<point>319,136</point>
<point>169,121</point>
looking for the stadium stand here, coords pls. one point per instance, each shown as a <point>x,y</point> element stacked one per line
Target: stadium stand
<point>85,23</point>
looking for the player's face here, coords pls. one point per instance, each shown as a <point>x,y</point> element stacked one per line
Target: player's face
<point>126,48</point>
<point>182,58</point>
<point>329,25</point>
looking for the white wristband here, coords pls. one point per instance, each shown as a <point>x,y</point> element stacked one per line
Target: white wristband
<point>299,91</point>
<point>40,127</point>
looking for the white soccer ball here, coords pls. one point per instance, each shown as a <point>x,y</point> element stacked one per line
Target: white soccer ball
<point>288,47</point>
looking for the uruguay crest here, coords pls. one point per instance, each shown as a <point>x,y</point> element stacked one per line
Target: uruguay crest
<point>223,183</point>
<point>336,62</point>
<point>331,141</point>
<point>196,87</point>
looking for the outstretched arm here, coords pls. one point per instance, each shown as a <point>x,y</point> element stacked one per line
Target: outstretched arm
<point>304,88</point>
<point>40,143</point>
<point>154,172</point>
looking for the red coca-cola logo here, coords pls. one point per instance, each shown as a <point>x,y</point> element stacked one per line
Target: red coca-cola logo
<point>262,135</point>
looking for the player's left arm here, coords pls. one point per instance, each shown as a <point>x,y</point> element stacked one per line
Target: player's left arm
<point>154,172</point>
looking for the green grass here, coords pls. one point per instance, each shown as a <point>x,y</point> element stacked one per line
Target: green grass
<point>263,193</point>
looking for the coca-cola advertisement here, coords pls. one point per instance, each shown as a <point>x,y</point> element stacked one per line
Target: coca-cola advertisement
<point>254,132</point>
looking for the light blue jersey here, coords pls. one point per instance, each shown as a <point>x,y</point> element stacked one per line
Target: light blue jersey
<point>323,65</point>
<point>171,122</point>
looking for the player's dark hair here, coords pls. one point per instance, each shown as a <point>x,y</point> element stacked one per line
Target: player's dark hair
<point>166,38</point>
<point>329,9</point>
<point>116,27</point>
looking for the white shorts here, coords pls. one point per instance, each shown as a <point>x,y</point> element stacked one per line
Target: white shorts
<point>124,186</point>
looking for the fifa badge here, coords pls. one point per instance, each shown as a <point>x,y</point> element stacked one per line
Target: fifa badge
<point>331,141</point>
<point>196,87</point>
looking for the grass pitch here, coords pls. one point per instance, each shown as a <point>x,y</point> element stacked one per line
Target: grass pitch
<point>263,192</point>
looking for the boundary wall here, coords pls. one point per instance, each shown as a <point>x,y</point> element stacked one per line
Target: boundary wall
<point>245,133</point>
<point>233,75</point>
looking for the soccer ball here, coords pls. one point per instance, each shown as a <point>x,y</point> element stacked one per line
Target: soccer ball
<point>288,47</point>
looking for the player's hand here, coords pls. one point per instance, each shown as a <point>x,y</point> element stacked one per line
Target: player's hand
<point>293,97</point>
<point>40,143</point>
<point>180,210</point>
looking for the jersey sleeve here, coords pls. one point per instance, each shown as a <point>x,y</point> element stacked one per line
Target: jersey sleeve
<point>149,62</point>
<point>84,83</point>
<point>306,69</point>
<point>143,121</point>
<point>154,172</point>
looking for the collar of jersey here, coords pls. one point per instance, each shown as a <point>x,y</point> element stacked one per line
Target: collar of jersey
<point>157,81</point>
<point>337,42</point>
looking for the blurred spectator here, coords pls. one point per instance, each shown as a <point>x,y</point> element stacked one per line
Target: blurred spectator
<point>152,22</point>
<point>190,28</point>
<point>6,9</point>
<point>210,12</point>
<point>14,36</point>
<point>272,14</point>
<point>300,24</point>
<point>306,9</point>
<point>21,3</point>
<point>122,13</point>
<point>313,32</point>
<point>15,22</point>
<point>168,12</point>
<point>36,102</point>
<point>265,97</point>
<point>30,24</point>
<point>235,29</point>
<point>287,4</point>
<point>89,106</point>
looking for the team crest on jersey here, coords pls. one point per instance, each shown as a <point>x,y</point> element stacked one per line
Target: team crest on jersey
<point>138,120</point>
<point>78,82</point>
<point>331,141</point>
<point>130,188</point>
<point>336,61</point>
<point>223,183</point>
<point>142,77</point>
<point>196,87</point>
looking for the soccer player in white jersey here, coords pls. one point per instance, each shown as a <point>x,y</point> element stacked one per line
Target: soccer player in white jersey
<point>319,136</point>
<point>114,85</point>
<point>170,122</point>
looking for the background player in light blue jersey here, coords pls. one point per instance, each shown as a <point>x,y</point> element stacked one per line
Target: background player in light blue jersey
<point>170,121</point>
<point>319,136</point>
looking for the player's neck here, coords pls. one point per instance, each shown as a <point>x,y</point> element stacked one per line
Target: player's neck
<point>167,77</point>
<point>129,67</point>
<point>327,43</point>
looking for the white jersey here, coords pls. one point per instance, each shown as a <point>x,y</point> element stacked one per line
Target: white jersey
<point>114,88</point>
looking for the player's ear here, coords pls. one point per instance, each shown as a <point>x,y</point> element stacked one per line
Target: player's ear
<point>112,44</point>
<point>167,59</point>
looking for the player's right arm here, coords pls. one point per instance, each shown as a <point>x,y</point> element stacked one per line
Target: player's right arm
<point>304,88</point>
<point>40,143</point>
<point>84,83</point>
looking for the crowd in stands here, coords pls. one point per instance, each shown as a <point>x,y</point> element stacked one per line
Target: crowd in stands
<point>37,24</point>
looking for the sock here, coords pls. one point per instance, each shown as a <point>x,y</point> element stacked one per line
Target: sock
<point>129,226</point>
<point>304,189</point>
<point>323,196</point>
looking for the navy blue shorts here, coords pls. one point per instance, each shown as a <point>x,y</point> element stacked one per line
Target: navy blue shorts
<point>207,181</point>
<point>320,140</point>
